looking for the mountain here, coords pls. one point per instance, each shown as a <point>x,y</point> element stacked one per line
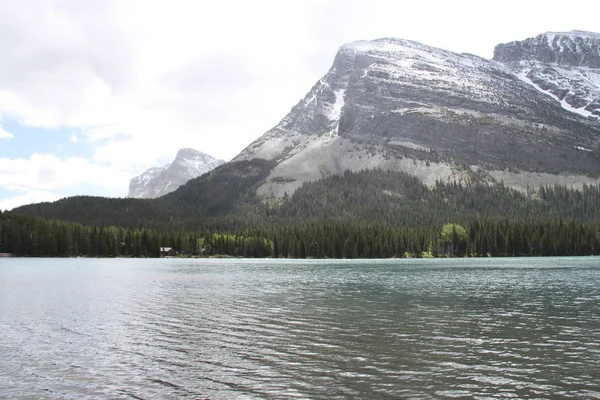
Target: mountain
<point>401,105</point>
<point>447,120</point>
<point>566,66</point>
<point>229,189</point>
<point>158,181</point>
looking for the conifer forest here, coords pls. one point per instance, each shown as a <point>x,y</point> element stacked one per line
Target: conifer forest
<point>367,214</point>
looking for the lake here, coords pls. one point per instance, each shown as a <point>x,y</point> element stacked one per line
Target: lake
<point>245,329</point>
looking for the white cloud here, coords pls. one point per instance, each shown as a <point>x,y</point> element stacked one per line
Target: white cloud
<point>34,196</point>
<point>4,135</point>
<point>47,172</point>
<point>138,80</point>
<point>74,138</point>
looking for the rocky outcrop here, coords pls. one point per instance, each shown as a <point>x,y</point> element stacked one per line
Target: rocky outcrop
<point>158,181</point>
<point>570,49</point>
<point>400,105</point>
<point>565,66</point>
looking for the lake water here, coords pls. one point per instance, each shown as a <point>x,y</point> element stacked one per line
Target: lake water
<point>228,329</point>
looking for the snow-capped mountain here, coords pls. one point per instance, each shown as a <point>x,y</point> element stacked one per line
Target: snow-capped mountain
<point>566,66</point>
<point>158,181</point>
<point>401,105</point>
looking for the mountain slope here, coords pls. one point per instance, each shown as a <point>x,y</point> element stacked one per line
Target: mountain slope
<point>387,104</point>
<point>224,200</point>
<point>140,187</point>
<point>230,189</point>
<point>158,181</point>
<point>401,105</point>
<point>565,66</point>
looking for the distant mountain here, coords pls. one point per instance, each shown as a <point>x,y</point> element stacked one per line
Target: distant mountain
<point>401,105</point>
<point>158,181</point>
<point>565,66</point>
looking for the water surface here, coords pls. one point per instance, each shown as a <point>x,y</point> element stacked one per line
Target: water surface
<point>226,329</point>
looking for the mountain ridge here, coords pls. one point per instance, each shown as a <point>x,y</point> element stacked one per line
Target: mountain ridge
<point>398,105</point>
<point>159,181</point>
<point>401,105</point>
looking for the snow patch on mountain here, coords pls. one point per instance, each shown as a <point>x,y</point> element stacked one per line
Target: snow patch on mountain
<point>565,80</point>
<point>562,65</point>
<point>337,106</point>
<point>557,38</point>
<point>413,62</point>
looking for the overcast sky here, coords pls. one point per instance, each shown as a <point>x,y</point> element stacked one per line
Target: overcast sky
<point>93,93</point>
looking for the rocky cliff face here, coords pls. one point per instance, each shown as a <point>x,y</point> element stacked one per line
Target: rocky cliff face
<point>565,66</point>
<point>400,105</point>
<point>158,181</point>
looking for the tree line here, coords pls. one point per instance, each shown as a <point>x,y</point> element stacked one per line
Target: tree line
<point>23,235</point>
<point>366,214</point>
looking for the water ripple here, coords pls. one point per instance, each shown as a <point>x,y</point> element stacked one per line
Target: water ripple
<point>212,329</point>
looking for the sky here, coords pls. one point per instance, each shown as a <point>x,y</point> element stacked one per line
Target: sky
<point>92,93</point>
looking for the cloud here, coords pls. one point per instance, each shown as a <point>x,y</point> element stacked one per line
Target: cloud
<point>4,135</point>
<point>162,74</point>
<point>52,51</point>
<point>34,196</point>
<point>47,172</point>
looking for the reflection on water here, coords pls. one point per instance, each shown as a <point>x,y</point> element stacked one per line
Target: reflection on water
<point>146,329</point>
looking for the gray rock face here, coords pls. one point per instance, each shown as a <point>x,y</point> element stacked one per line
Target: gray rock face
<point>565,66</point>
<point>572,49</point>
<point>158,181</point>
<point>400,105</point>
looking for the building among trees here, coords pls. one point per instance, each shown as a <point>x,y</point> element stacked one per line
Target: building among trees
<point>168,252</point>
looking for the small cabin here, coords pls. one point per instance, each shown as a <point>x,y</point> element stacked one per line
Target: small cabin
<point>5,255</point>
<point>168,252</point>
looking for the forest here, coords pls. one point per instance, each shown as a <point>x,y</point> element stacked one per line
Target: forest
<point>367,214</point>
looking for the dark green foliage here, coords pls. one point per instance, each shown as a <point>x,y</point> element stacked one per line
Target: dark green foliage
<point>24,235</point>
<point>368,214</point>
<point>227,190</point>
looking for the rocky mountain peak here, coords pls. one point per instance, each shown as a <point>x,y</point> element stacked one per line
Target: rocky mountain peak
<point>397,104</point>
<point>574,49</point>
<point>385,45</point>
<point>364,78</point>
<point>158,181</point>
<point>189,153</point>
